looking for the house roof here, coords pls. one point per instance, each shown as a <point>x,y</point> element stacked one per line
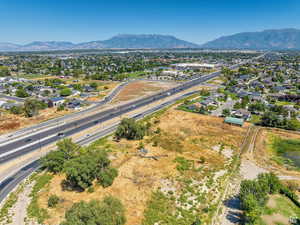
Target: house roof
<point>57,99</point>
<point>233,120</point>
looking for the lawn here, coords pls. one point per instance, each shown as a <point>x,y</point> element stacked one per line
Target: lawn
<point>279,210</point>
<point>282,103</point>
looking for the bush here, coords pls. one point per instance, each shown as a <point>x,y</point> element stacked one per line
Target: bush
<point>107,177</point>
<point>109,211</point>
<point>90,190</point>
<point>16,110</point>
<point>53,200</point>
<point>254,195</point>
<point>60,108</point>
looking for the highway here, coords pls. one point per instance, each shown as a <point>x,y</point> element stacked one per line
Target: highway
<point>56,121</point>
<point>71,128</point>
<point>39,139</point>
<point>12,181</point>
<point>7,151</point>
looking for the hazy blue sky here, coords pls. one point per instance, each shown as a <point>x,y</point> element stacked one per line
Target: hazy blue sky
<point>23,21</point>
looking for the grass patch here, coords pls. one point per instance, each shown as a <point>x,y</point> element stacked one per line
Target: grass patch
<point>9,203</point>
<point>33,210</point>
<point>255,119</point>
<point>282,103</point>
<point>282,148</point>
<point>183,164</point>
<point>280,205</point>
<point>32,76</point>
<point>159,208</point>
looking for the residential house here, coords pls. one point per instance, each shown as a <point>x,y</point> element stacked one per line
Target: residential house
<point>56,101</point>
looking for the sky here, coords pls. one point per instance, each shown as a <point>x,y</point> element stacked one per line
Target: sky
<point>198,21</point>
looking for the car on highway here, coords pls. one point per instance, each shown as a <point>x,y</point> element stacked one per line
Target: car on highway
<point>28,140</point>
<point>60,134</point>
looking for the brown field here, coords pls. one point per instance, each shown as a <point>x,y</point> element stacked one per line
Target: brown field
<point>10,122</point>
<point>190,135</point>
<point>263,153</point>
<point>141,88</point>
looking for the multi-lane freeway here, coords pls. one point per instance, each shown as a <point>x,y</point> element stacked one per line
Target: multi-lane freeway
<point>15,148</point>
<point>21,146</point>
<point>56,121</point>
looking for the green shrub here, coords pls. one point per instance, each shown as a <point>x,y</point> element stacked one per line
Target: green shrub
<point>107,177</point>
<point>53,200</point>
<point>109,211</point>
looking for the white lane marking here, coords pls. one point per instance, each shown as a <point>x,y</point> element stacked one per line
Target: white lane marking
<point>25,146</point>
<point>32,132</point>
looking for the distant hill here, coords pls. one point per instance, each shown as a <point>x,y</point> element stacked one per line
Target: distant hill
<point>267,39</point>
<point>119,41</point>
<point>8,46</point>
<point>147,41</point>
<point>47,45</point>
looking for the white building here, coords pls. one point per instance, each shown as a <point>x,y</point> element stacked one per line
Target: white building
<point>194,66</point>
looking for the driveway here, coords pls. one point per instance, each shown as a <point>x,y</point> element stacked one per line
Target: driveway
<point>226,105</point>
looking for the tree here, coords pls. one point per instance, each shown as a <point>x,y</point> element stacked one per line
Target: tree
<point>55,160</point>
<point>226,112</point>
<point>94,85</point>
<point>109,211</point>
<point>257,106</point>
<point>65,92</point>
<point>4,71</point>
<point>21,93</point>
<point>130,129</point>
<point>31,107</point>
<point>82,170</point>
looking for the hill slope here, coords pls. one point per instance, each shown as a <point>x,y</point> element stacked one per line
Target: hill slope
<point>267,39</point>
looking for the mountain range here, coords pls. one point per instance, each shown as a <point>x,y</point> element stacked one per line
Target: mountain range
<point>267,39</point>
<point>123,41</point>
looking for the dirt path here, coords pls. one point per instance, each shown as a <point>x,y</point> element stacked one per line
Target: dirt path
<point>248,170</point>
<point>20,208</point>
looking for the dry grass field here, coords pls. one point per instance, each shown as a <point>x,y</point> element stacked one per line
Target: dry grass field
<point>141,88</point>
<point>194,155</point>
<point>10,122</point>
